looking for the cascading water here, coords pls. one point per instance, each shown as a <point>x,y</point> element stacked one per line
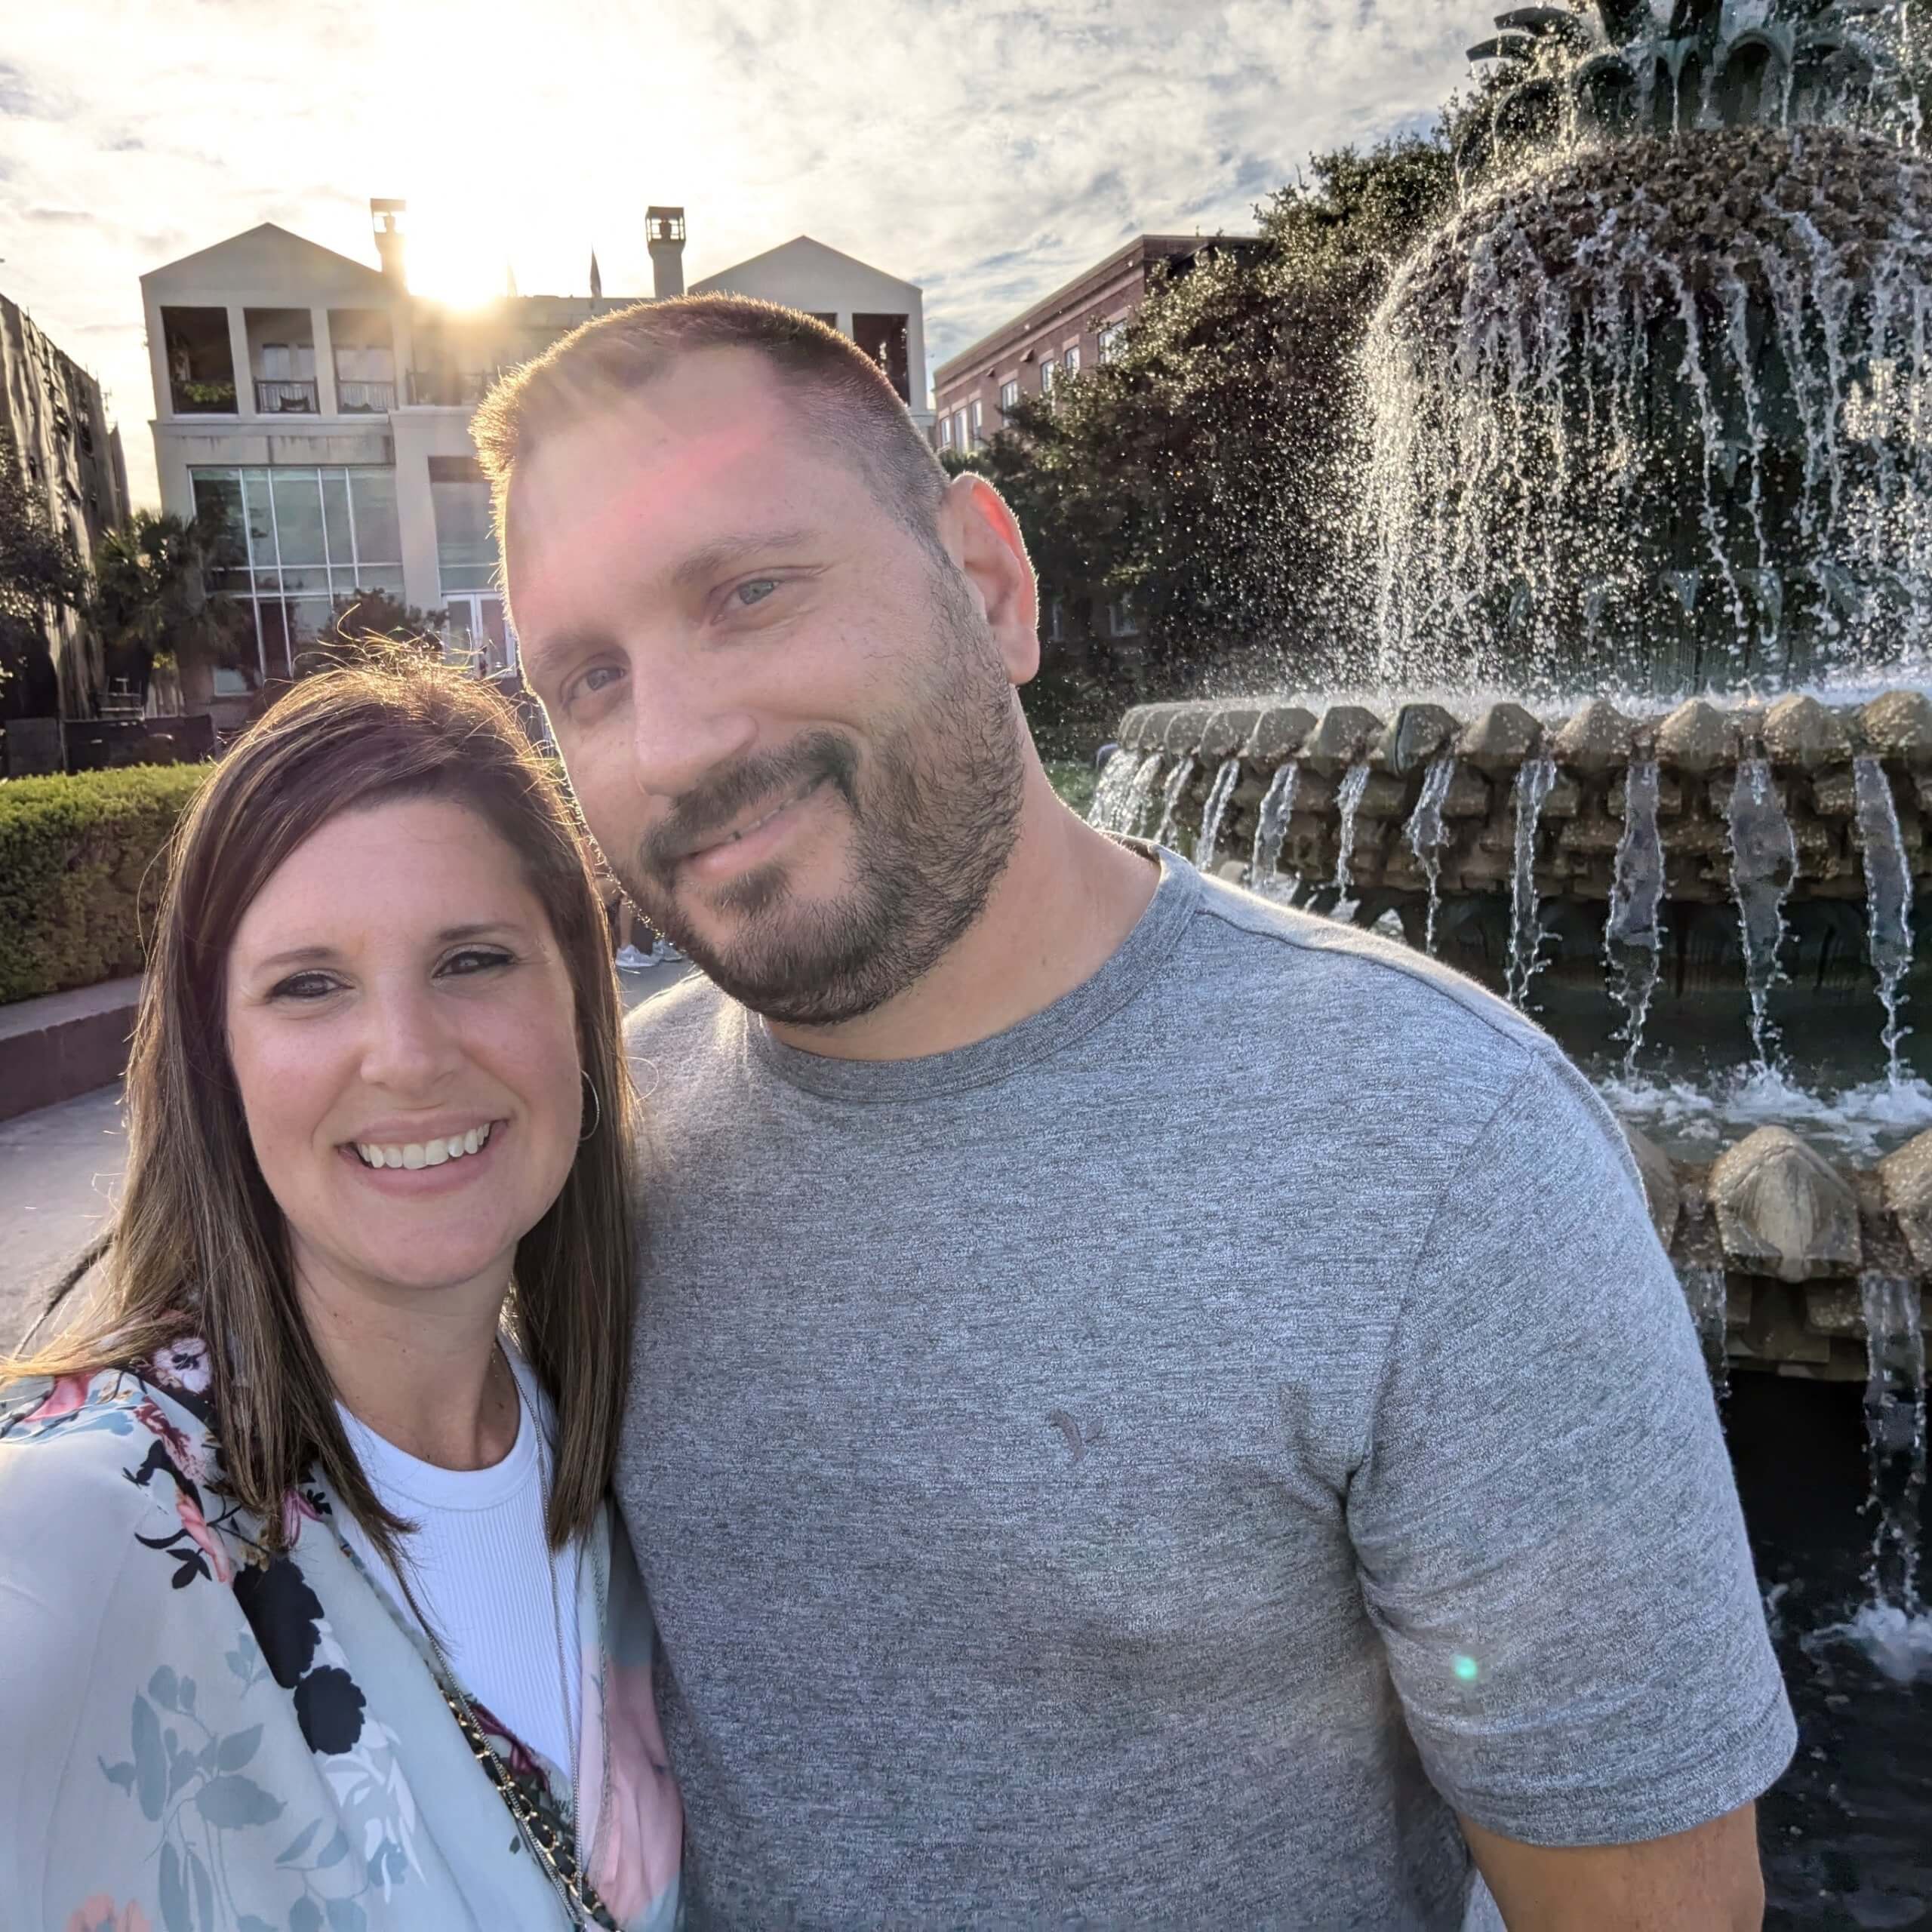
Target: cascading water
<point>1764,861</point>
<point>1427,836</point>
<point>1214,813</point>
<point>1534,782</point>
<point>1348,802</point>
<point>1111,794</point>
<point>1633,934</point>
<point>1894,1623</point>
<point>1709,1294</point>
<point>1271,832</point>
<point>1178,781</point>
<point>1888,899</point>
<point>1665,395</point>
<point>1140,801</point>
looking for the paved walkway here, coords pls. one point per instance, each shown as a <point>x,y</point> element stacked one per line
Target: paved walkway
<point>59,1168</point>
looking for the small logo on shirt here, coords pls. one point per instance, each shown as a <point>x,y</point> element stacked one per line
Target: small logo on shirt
<point>1079,1442</point>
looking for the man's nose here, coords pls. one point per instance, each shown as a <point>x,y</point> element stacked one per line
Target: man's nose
<point>686,719</point>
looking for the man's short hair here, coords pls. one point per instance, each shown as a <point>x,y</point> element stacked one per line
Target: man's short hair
<point>840,394</point>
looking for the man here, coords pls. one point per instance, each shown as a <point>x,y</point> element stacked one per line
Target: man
<point>1148,1408</point>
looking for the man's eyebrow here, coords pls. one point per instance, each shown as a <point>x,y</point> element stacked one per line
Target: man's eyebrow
<point>708,559</point>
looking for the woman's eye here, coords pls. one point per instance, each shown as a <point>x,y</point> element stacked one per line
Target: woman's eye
<point>303,985</point>
<point>475,959</point>
<point>756,592</point>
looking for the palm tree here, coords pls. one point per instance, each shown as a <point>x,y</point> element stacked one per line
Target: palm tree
<point>149,602</point>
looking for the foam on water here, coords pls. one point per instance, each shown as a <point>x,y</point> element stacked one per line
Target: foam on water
<point>1896,1640</point>
<point>1698,1117</point>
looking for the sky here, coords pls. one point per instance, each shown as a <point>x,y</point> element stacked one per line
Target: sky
<point>988,152</point>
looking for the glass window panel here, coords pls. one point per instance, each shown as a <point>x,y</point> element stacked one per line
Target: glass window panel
<point>267,583</point>
<point>312,577</point>
<point>335,518</point>
<point>378,540</point>
<point>466,542</point>
<point>276,656</point>
<point>307,616</point>
<point>298,516</point>
<point>261,520</point>
<point>218,497</point>
<point>228,582</point>
<point>385,577</point>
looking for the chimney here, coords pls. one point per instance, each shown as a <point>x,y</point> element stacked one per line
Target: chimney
<point>665,228</point>
<point>386,217</point>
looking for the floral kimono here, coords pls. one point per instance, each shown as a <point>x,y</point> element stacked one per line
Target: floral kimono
<point>205,1738</point>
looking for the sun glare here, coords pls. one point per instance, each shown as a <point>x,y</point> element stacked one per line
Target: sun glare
<point>458,252</point>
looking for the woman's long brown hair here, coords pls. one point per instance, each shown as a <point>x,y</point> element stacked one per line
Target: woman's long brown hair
<point>198,1246</point>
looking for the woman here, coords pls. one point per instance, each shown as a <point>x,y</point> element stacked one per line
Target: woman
<point>312,1611</point>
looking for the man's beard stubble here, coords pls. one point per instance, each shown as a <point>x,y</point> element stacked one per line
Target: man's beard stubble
<point>935,805</point>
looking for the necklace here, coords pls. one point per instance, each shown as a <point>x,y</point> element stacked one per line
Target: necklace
<point>554,1849</point>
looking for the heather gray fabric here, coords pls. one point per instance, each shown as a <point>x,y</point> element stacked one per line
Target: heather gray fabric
<point>1144,1469</point>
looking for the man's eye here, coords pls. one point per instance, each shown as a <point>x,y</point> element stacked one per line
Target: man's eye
<point>598,678</point>
<point>756,591</point>
<point>303,985</point>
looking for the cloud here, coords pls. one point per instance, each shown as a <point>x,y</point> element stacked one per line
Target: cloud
<point>990,151</point>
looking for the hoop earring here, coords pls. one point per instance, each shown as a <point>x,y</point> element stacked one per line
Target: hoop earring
<point>596,1106</point>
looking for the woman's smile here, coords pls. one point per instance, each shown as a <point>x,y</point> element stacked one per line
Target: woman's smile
<point>440,1148</point>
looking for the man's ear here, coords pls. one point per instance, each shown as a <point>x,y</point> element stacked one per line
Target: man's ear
<point>981,537</point>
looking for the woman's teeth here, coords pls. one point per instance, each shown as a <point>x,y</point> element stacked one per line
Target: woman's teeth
<point>424,1153</point>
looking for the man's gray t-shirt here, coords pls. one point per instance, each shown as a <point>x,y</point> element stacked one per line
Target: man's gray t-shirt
<point>1148,1466</point>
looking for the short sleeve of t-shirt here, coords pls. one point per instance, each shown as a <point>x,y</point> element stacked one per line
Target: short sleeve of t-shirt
<point>1544,1517</point>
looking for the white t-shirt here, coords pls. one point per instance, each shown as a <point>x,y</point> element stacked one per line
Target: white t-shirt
<point>503,1607</point>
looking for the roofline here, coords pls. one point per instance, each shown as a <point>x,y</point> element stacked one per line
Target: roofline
<point>779,247</point>
<point>1043,310</point>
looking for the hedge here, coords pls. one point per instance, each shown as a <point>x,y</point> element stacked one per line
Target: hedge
<point>74,854</point>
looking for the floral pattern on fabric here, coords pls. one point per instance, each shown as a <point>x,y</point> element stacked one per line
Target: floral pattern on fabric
<point>251,1780</point>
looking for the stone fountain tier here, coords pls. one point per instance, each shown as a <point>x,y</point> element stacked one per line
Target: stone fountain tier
<point>1794,1241</point>
<point>1810,749</point>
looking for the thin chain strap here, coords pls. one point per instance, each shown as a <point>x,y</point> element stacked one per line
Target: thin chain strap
<point>551,1848</point>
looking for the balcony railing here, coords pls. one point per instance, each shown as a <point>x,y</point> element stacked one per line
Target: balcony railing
<point>447,388</point>
<point>286,399</point>
<point>365,398</point>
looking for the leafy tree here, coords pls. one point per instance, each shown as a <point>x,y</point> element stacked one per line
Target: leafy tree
<point>41,576</point>
<point>1198,474</point>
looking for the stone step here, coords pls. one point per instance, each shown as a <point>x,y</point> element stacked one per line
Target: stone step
<point>62,1045</point>
<point>1795,1239</point>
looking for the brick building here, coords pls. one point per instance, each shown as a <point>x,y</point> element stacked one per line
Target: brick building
<point>1074,328</point>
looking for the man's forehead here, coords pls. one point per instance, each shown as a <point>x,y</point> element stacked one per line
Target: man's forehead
<point>716,420</point>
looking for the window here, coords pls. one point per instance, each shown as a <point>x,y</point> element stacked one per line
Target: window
<point>293,543</point>
<point>959,428</point>
<point>945,433</point>
<point>1047,376</point>
<point>1072,359</point>
<point>465,538</point>
<point>979,421</point>
<point>1113,340</point>
<point>1121,620</point>
<point>1009,396</point>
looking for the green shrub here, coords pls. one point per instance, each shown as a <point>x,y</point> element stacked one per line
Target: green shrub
<point>74,854</point>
